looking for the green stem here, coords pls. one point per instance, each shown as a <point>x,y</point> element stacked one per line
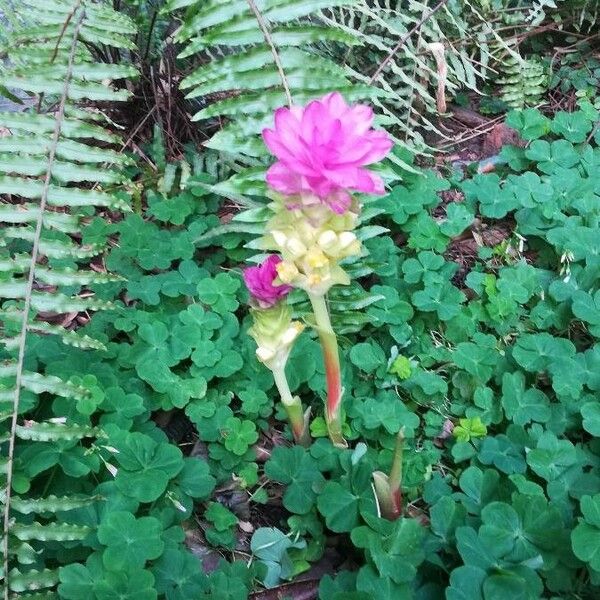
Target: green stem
<point>331,357</point>
<point>396,470</point>
<point>388,488</point>
<point>395,479</point>
<point>293,408</point>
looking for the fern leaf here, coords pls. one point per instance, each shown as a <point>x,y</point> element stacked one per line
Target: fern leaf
<point>53,167</point>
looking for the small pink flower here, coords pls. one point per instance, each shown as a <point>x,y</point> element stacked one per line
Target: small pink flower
<point>322,149</point>
<point>259,281</point>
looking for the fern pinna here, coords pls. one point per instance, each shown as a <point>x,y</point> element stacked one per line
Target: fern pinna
<point>56,167</point>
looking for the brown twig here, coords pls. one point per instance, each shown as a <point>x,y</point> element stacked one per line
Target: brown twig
<point>403,40</point>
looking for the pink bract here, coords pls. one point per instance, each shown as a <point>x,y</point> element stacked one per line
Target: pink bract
<point>322,150</point>
<point>259,281</point>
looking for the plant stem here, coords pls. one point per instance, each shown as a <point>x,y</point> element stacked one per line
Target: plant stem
<point>293,408</point>
<point>395,479</point>
<point>388,488</point>
<point>331,357</point>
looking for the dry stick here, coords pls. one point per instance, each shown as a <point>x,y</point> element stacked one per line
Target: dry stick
<point>269,40</point>
<point>403,40</point>
<point>28,292</point>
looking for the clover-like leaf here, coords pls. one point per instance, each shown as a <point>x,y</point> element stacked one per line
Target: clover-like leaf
<point>590,412</point>
<point>179,575</point>
<point>221,517</point>
<point>587,308</point>
<point>521,405</point>
<point>444,299</point>
<point>239,435</point>
<point>586,536</point>
<point>296,468</point>
<point>339,506</point>
<point>134,584</point>
<point>195,479</point>
<point>468,429</point>
<point>129,542</point>
<point>367,356</point>
<point>146,466</point>
<point>219,292</point>
<point>573,126</point>
<point>530,123</point>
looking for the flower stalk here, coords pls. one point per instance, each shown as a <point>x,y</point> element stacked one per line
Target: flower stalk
<point>333,375</point>
<point>275,333</point>
<point>388,488</point>
<point>292,405</point>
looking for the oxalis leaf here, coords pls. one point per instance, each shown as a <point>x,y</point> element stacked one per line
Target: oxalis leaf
<point>586,536</point>
<point>296,468</point>
<point>130,542</point>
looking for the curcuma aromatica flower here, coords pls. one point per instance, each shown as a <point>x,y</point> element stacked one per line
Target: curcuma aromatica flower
<point>260,282</point>
<point>322,150</point>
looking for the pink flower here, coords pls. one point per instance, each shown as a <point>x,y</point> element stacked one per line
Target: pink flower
<point>259,281</point>
<point>322,149</point>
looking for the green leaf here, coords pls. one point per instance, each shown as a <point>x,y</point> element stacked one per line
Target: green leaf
<point>146,466</point>
<point>195,479</point>
<point>521,405</point>
<point>535,352</point>
<point>367,356</point>
<point>339,506</point>
<point>300,472</point>
<point>239,435</point>
<point>444,299</point>
<point>130,542</point>
<point>552,457</point>
<point>179,575</point>
<point>269,545</point>
<point>530,123</point>
<point>219,293</point>
<point>573,126</point>
<point>591,418</point>
<point>221,518</point>
<point>135,584</point>
<point>468,429</point>
<point>587,308</point>
<point>586,536</point>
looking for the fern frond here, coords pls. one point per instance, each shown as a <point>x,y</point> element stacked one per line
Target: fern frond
<point>523,82</point>
<point>257,50</point>
<point>56,167</point>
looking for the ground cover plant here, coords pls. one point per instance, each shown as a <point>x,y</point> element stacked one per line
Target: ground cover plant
<point>316,368</point>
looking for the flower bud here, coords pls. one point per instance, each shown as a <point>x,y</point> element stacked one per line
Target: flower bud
<point>346,238</point>
<point>328,239</point>
<point>287,271</point>
<point>274,333</point>
<point>279,237</point>
<point>296,248</point>
<point>260,282</point>
<point>316,259</point>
